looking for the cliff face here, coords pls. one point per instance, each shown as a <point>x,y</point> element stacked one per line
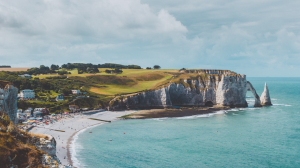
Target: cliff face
<point>8,100</point>
<point>226,90</point>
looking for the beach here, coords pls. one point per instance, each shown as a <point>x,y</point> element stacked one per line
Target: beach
<point>64,130</point>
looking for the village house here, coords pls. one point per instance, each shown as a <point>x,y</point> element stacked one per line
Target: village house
<point>74,108</point>
<point>27,94</point>
<point>25,76</point>
<point>44,111</point>
<point>59,98</point>
<point>76,92</point>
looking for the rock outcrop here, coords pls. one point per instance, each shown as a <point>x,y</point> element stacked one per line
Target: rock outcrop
<point>227,90</point>
<point>8,100</point>
<point>265,97</point>
<point>49,159</point>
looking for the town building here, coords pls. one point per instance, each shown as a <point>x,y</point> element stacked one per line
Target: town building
<point>76,92</point>
<point>28,112</point>
<point>74,108</point>
<point>59,98</point>
<point>25,76</point>
<point>27,94</point>
<point>44,111</point>
<point>37,114</point>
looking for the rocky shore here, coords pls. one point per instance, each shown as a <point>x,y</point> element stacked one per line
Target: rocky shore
<point>182,112</point>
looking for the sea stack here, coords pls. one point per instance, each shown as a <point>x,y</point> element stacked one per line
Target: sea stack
<point>265,99</point>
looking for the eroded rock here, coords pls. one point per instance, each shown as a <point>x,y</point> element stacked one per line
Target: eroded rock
<point>265,97</point>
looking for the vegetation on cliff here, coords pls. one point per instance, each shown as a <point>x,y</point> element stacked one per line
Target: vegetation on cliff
<point>101,87</point>
<point>17,147</point>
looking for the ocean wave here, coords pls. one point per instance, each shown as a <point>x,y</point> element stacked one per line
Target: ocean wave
<point>274,99</point>
<point>233,110</point>
<point>158,119</point>
<point>281,105</point>
<point>202,115</point>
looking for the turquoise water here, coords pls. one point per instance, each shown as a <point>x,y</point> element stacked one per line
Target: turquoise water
<point>244,137</point>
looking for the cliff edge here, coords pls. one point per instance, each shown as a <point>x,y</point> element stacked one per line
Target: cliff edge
<point>193,89</point>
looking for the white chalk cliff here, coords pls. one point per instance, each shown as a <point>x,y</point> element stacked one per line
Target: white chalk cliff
<point>8,100</point>
<point>265,97</point>
<point>224,89</point>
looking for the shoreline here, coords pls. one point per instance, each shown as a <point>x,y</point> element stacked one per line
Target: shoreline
<point>63,151</point>
<point>71,140</point>
<point>181,112</point>
<point>70,127</point>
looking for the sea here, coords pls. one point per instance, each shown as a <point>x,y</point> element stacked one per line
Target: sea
<point>239,137</point>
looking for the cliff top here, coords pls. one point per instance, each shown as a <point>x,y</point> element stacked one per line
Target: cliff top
<point>4,83</point>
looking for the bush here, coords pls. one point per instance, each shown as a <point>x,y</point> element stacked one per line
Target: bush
<point>62,72</point>
<point>107,71</point>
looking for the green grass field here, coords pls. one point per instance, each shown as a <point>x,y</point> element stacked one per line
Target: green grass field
<point>126,89</point>
<point>130,81</point>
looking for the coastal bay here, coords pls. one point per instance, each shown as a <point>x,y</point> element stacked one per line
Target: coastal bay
<point>71,127</point>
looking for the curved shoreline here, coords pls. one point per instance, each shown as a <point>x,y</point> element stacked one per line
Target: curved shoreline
<point>69,156</point>
<point>64,130</point>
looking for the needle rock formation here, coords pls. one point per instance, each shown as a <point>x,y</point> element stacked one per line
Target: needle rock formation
<point>265,99</point>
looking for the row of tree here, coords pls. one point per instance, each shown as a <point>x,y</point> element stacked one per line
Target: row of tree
<point>154,67</point>
<point>106,65</point>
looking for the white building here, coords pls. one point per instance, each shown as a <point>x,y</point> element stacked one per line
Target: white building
<point>59,98</point>
<point>77,92</point>
<point>27,94</point>
<point>25,76</point>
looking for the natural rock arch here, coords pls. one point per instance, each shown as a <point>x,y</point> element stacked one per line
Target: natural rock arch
<point>257,98</point>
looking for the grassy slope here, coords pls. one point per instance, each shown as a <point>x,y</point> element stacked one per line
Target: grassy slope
<point>143,79</point>
<point>17,147</point>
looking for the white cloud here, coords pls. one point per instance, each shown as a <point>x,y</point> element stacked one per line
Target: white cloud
<point>247,37</point>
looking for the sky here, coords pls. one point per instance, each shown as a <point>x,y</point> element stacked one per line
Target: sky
<point>259,38</point>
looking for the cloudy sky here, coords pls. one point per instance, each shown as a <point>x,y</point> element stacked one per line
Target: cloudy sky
<point>257,37</point>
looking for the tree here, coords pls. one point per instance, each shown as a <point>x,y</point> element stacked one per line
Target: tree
<point>107,71</point>
<point>64,66</point>
<point>156,67</point>
<point>148,68</point>
<point>54,67</point>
